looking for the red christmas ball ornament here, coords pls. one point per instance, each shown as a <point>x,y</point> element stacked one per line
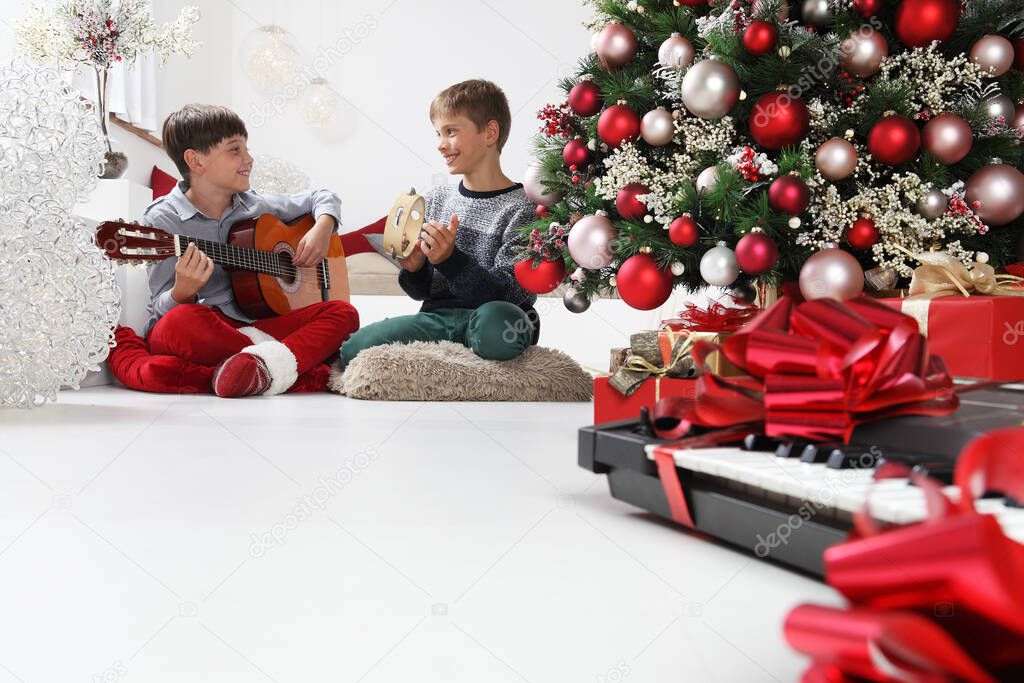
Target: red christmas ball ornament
<point>626,203</point>
<point>693,3</point>
<point>684,231</point>
<point>543,279</point>
<point>779,120</point>
<point>1018,54</point>
<point>862,234</point>
<point>585,99</point>
<point>542,211</point>
<point>919,22</point>
<point>756,253</point>
<point>894,140</point>
<point>576,153</point>
<point>760,37</point>
<point>789,194</point>
<point>642,284</point>
<point>868,8</point>
<point>618,124</point>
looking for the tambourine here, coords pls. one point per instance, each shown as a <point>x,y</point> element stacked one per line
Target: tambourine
<point>404,224</point>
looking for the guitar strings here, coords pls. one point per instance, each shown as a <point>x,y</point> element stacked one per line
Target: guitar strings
<point>285,270</point>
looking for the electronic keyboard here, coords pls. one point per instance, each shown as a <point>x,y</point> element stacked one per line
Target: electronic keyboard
<point>787,501</point>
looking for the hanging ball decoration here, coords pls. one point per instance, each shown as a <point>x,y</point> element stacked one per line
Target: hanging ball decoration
<point>543,278</point>
<point>836,159</point>
<point>642,284</point>
<point>816,13</point>
<point>862,234</point>
<point>1018,57</point>
<point>575,302</point>
<point>994,54</point>
<point>692,3</point>
<point>616,46</point>
<point>542,211</point>
<point>710,89</point>
<point>743,292</point>
<point>831,274</point>
<point>948,138</point>
<point>576,153</point>
<point>676,52</point>
<point>590,242</point>
<point>627,204</point>
<point>618,124</point>
<point>707,180</point>
<point>1018,119</point>
<point>760,37</point>
<point>684,231</point>
<point>998,190</point>
<point>534,188</point>
<point>919,22</point>
<point>868,8</point>
<point>678,268</point>
<point>933,204</point>
<point>756,253</point>
<point>863,52</point>
<point>789,194</point>
<point>999,107</point>
<point>585,99</point>
<point>894,140</point>
<point>657,127</point>
<point>718,266</point>
<point>779,120</point>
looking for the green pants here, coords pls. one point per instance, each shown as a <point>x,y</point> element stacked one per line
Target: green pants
<point>498,330</point>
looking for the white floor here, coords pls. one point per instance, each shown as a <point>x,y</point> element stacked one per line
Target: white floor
<point>159,538</point>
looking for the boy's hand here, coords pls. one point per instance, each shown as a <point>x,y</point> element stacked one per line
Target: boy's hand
<point>414,261</point>
<point>438,241</point>
<point>314,244</point>
<point>192,271</point>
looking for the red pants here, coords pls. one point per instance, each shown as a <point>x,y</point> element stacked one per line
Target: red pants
<point>190,341</point>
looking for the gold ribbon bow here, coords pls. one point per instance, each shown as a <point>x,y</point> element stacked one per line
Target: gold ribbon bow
<point>654,354</point>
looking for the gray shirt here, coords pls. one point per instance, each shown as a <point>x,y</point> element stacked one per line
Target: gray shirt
<point>174,213</point>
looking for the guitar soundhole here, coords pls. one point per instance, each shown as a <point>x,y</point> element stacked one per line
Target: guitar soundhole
<point>287,268</point>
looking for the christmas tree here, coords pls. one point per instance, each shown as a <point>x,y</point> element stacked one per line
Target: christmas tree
<point>743,142</point>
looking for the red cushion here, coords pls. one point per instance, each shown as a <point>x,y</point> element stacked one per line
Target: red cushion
<point>161,182</point>
<point>355,242</point>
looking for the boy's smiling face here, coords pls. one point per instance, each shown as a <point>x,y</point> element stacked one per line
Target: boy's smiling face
<point>226,165</point>
<point>463,145</point>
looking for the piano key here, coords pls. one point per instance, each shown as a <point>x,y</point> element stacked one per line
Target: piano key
<point>759,442</point>
<point>790,449</point>
<point>816,453</point>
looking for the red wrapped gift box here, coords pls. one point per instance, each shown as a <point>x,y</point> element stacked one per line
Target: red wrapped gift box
<point>610,405</point>
<point>977,336</point>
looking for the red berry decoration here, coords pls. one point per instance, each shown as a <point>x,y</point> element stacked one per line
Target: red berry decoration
<point>642,284</point>
<point>789,194</point>
<point>585,99</point>
<point>575,154</point>
<point>684,231</point>
<point>919,22</point>
<point>862,234</point>
<point>756,253</point>
<point>761,37</point>
<point>540,280</point>
<point>868,8</point>
<point>618,124</point>
<point>894,140</point>
<point>628,206</point>
<point>542,211</point>
<point>779,120</point>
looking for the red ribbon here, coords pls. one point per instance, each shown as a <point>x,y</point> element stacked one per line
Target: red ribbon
<point>815,371</point>
<point>937,601</point>
<point>715,318</point>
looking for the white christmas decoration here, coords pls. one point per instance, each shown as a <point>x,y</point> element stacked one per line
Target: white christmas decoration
<point>60,302</point>
<point>273,175</point>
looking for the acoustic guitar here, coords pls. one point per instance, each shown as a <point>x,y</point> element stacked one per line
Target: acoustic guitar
<point>258,255</point>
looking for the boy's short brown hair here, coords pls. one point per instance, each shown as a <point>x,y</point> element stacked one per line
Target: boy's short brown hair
<point>200,127</point>
<point>478,100</point>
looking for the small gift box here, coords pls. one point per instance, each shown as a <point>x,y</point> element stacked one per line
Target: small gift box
<point>611,405</point>
<point>973,318</point>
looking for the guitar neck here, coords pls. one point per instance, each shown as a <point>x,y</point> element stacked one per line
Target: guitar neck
<point>240,258</point>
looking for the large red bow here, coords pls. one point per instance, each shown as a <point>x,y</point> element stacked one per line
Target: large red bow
<point>815,371</point>
<point>937,601</point>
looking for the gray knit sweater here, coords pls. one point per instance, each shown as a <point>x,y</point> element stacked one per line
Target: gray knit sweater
<point>481,268</point>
